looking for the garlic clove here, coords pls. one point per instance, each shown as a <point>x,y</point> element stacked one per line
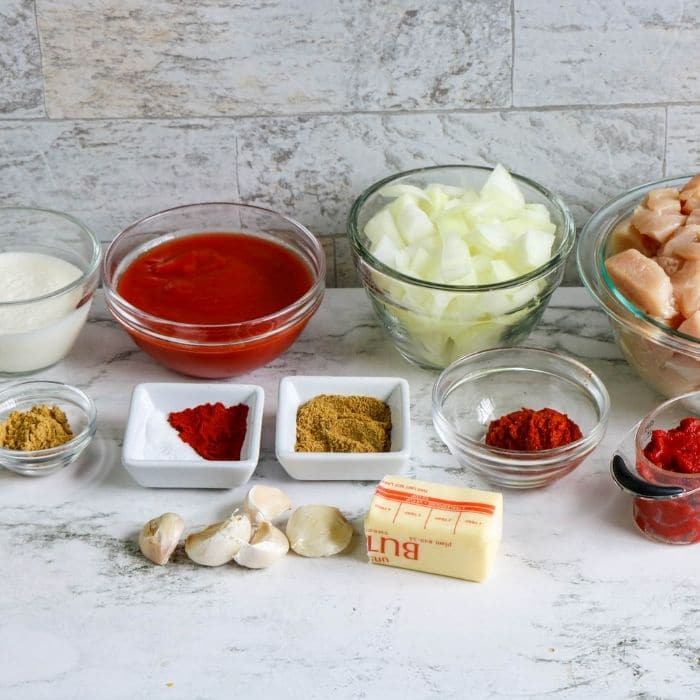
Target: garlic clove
<point>318,531</point>
<point>266,503</point>
<point>267,546</point>
<point>159,537</point>
<point>218,544</point>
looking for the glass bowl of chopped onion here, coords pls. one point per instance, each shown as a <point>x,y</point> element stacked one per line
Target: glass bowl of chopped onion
<point>458,258</point>
<point>77,418</point>
<point>486,390</point>
<point>644,281</point>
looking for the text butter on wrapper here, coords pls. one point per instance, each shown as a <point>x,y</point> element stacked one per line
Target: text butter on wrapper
<point>434,528</point>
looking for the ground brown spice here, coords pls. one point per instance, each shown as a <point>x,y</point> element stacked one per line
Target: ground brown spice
<point>38,428</point>
<point>331,423</point>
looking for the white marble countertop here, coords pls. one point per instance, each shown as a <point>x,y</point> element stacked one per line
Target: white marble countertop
<point>579,604</point>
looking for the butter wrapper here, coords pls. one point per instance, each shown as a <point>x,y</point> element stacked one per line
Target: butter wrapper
<point>434,528</point>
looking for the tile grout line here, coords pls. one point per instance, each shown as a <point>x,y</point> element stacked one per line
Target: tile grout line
<point>335,264</point>
<point>512,53</point>
<point>664,163</point>
<point>520,109</point>
<point>238,180</point>
<point>41,62</point>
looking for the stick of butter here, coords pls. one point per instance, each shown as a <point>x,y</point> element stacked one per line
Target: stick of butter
<point>435,528</point>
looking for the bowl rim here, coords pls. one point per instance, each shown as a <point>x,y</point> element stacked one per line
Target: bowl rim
<point>655,470</point>
<point>92,267</point>
<point>78,441</point>
<point>526,459</point>
<point>614,299</point>
<point>318,279</point>
<point>559,258</point>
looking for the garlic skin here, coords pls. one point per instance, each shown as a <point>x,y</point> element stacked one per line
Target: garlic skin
<point>266,503</point>
<point>159,537</point>
<point>318,531</point>
<point>218,544</point>
<point>267,546</point>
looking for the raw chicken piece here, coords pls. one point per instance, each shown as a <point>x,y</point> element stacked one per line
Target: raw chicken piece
<point>664,200</point>
<point>693,218</point>
<point>670,264</point>
<point>691,326</point>
<point>656,225</point>
<point>643,282</point>
<point>690,195</point>
<point>626,236</point>
<point>686,287</point>
<point>685,243</point>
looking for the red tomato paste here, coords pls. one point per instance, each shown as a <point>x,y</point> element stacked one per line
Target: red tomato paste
<point>216,278</point>
<point>676,452</point>
<point>529,430</point>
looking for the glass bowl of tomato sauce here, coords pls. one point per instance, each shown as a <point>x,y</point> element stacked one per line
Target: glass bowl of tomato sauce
<point>215,289</point>
<point>667,447</point>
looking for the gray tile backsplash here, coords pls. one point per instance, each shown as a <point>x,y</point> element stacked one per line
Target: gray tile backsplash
<point>21,82</point>
<point>114,110</point>
<point>602,53</point>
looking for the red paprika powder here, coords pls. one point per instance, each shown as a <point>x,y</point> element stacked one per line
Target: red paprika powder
<point>212,430</point>
<point>529,430</point>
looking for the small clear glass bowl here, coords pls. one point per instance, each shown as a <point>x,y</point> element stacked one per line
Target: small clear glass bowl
<point>666,359</point>
<point>477,389</point>
<point>668,520</point>
<point>465,318</point>
<point>81,414</point>
<point>36,333</point>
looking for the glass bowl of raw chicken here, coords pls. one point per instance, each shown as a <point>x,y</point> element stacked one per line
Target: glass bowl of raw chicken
<point>458,258</point>
<point>639,256</point>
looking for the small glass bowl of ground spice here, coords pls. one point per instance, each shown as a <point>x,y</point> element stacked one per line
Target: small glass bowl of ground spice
<point>343,428</point>
<point>44,426</point>
<point>520,417</point>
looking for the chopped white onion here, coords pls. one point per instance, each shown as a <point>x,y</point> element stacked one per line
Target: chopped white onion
<point>457,236</point>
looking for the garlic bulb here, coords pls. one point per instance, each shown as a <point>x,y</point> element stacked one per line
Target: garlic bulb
<point>159,537</point>
<point>267,546</point>
<point>318,531</point>
<point>266,503</point>
<point>219,543</point>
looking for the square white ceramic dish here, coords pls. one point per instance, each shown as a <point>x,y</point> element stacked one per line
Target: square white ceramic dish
<point>182,467</point>
<point>336,466</point>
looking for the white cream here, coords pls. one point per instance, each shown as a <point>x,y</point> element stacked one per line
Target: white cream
<point>37,334</point>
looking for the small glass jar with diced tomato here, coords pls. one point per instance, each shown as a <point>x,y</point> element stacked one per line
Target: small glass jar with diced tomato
<point>668,454</point>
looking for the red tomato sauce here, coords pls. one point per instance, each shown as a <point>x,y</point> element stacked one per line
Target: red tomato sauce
<point>676,452</point>
<point>215,278</point>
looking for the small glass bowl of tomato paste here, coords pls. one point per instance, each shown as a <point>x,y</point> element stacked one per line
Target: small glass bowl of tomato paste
<point>675,518</point>
<point>216,289</point>
<point>477,390</point>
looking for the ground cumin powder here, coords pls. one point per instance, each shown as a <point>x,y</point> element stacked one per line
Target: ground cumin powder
<point>330,423</point>
<point>38,428</point>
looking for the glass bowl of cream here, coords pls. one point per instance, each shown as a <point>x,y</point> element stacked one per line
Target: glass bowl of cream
<point>49,269</point>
